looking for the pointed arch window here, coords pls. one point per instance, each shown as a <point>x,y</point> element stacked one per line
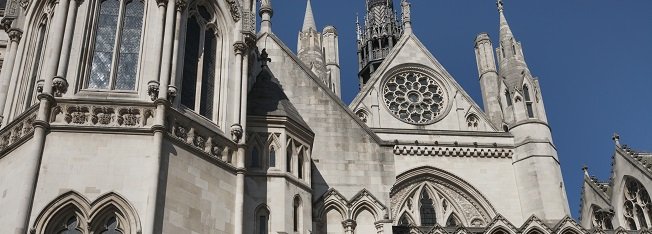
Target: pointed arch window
<point>637,203</point>
<point>202,58</point>
<point>528,102</point>
<point>37,63</point>
<point>472,122</point>
<point>272,156</point>
<point>262,221</point>
<point>71,226</point>
<point>453,221</point>
<point>300,165</point>
<point>296,214</point>
<point>116,48</point>
<point>427,209</point>
<point>288,158</point>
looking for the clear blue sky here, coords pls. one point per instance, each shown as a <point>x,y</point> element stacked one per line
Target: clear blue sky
<point>593,59</point>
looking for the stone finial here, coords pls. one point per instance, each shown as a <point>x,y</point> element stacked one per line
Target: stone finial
<point>266,12</point>
<point>616,139</point>
<point>358,30</point>
<point>407,18</point>
<point>500,5</point>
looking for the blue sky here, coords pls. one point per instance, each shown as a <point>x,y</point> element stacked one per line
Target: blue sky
<point>593,59</point>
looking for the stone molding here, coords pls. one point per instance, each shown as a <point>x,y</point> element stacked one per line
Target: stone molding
<point>236,9</point>
<point>452,151</point>
<point>211,143</point>
<point>18,131</point>
<point>363,200</point>
<point>101,115</point>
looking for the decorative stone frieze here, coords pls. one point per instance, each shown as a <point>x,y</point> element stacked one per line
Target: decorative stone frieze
<point>249,22</point>
<point>415,150</point>
<point>98,115</point>
<point>17,131</point>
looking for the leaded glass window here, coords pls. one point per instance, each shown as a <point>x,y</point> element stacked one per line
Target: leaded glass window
<point>116,47</point>
<point>428,217</point>
<point>111,226</point>
<point>201,63</point>
<point>637,200</point>
<point>71,226</point>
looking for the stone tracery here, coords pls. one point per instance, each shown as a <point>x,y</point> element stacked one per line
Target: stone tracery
<point>414,97</point>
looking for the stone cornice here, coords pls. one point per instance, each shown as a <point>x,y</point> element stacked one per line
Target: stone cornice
<point>441,132</point>
<point>448,151</point>
<point>282,122</point>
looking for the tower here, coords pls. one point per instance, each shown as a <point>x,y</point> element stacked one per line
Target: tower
<point>536,164</point>
<point>320,52</point>
<point>381,32</point>
<point>488,75</point>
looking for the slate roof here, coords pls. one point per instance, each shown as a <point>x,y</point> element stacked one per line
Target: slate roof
<point>267,98</point>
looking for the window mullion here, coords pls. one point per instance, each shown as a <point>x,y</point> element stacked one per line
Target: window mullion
<point>116,48</point>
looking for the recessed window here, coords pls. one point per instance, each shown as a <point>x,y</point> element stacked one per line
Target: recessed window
<point>255,158</point>
<point>116,47</point>
<point>508,98</point>
<point>272,157</point>
<point>472,122</point>
<point>528,102</point>
<point>300,165</point>
<point>428,215</point>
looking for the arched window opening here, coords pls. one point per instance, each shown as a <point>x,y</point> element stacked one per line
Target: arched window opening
<point>288,159</point>
<point>111,226</point>
<point>453,221</point>
<point>528,102</point>
<point>569,231</point>
<point>602,218</point>
<point>262,221</point>
<point>199,86</point>
<point>472,122</point>
<point>636,200</point>
<point>508,98</point>
<point>272,157</point>
<point>534,231</point>
<point>428,216</point>
<point>300,165</point>
<point>500,231</point>
<point>117,45</point>
<point>255,158</point>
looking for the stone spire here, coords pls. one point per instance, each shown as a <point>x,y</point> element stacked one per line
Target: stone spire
<point>309,19</point>
<point>505,31</point>
<point>407,18</point>
<point>266,12</point>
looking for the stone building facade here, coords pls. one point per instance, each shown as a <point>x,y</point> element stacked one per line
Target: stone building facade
<point>184,116</point>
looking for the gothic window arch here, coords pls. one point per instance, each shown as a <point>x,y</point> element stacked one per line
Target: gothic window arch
<point>500,231</point>
<point>72,213</point>
<point>116,43</point>
<point>296,213</point>
<point>528,101</point>
<point>453,221</point>
<point>37,58</point>
<point>637,205</point>
<point>262,220</point>
<point>472,122</point>
<point>202,63</point>
<point>288,157</point>
<point>300,164</point>
<point>272,156</point>
<point>602,218</point>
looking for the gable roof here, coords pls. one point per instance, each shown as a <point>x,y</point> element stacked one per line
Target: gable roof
<point>384,67</point>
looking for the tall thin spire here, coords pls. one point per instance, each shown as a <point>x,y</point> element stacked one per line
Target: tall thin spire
<point>505,31</point>
<point>309,19</point>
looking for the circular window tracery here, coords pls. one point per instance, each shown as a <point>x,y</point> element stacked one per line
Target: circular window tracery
<point>414,97</point>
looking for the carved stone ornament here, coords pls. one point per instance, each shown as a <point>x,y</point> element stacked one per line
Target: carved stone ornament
<point>129,117</point>
<point>90,115</point>
<point>24,4</point>
<point>236,9</point>
<point>14,33</point>
<point>181,5</point>
<point>39,85</point>
<point>59,86</point>
<point>236,132</point>
<point>15,133</point>
<point>152,89</point>
<point>172,93</point>
<point>11,10</point>
<point>239,47</point>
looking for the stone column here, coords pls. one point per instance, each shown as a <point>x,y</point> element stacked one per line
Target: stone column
<point>54,48</point>
<point>166,59</point>
<point>67,39</point>
<point>349,226</point>
<point>155,70</point>
<point>237,134</point>
<point>172,87</point>
<point>8,65</point>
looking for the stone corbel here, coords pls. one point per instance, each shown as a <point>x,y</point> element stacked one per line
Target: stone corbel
<point>236,132</point>
<point>240,47</point>
<point>181,5</point>
<point>152,89</point>
<point>39,86</point>
<point>172,93</point>
<point>14,33</point>
<point>59,86</point>
<point>162,3</point>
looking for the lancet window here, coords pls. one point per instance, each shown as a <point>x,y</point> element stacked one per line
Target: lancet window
<point>427,206</point>
<point>508,98</point>
<point>202,60</point>
<point>472,122</point>
<point>116,46</point>
<point>528,102</point>
<point>637,205</point>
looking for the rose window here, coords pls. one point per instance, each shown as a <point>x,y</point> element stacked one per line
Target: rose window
<point>414,97</point>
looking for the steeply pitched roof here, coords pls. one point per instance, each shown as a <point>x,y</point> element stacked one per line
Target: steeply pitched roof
<point>267,98</point>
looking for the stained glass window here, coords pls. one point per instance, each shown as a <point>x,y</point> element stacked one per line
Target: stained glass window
<point>117,45</point>
<point>130,46</point>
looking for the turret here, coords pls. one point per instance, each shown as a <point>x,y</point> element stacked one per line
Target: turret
<point>381,32</point>
<point>536,164</point>
<point>332,57</point>
<point>488,78</point>
<point>309,46</point>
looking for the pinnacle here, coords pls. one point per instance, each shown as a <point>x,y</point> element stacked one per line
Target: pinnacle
<point>309,19</point>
